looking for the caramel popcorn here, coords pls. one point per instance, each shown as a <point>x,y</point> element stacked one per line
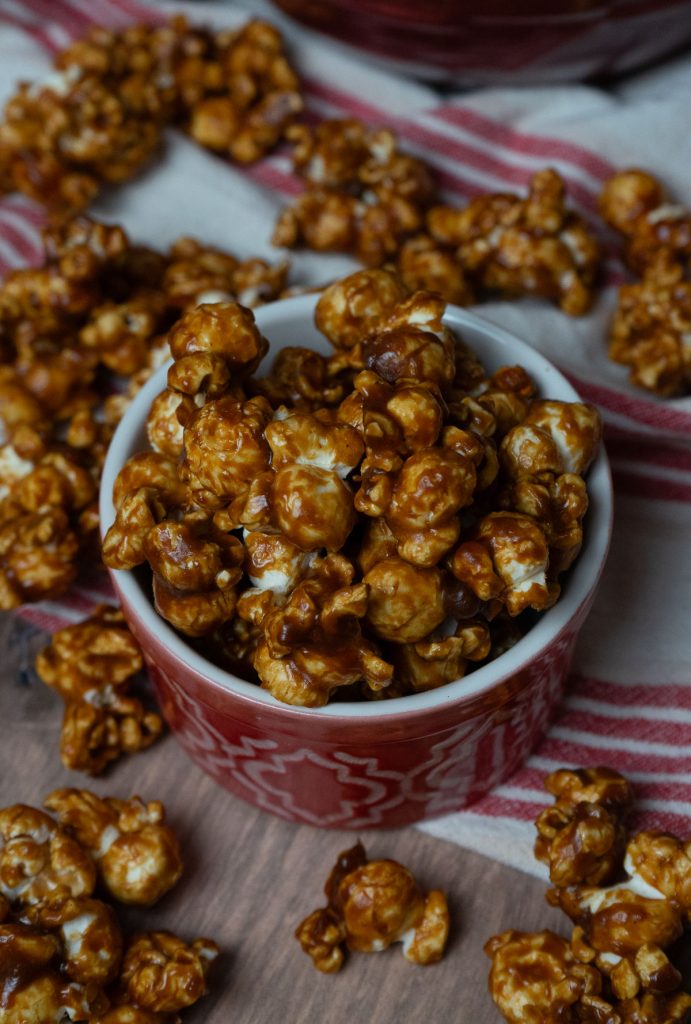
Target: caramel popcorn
<point>615,969</point>
<point>100,116</point>
<point>38,859</point>
<point>136,853</point>
<point>89,933</point>
<point>351,477</point>
<point>371,904</point>
<point>582,837</point>
<point>163,974</point>
<point>536,978</point>
<point>364,196</point>
<point>633,202</point>
<point>532,246</point>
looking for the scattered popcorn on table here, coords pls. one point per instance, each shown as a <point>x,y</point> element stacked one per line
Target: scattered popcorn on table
<point>63,955</point>
<point>372,904</point>
<point>615,969</point>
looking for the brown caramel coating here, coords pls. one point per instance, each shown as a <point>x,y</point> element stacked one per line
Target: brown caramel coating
<point>424,265</point>
<point>531,246</point>
<point>352,308</point>
<point>137,855</point>
<point>364,196</point>
<point>197,613</point>
<point>38,859</point>
<point>405,602</point>
<point>37,554</point>
<point>634,203</point>
<point>650,329</point>
<point>507,561</point>
<point>559,504</point>
<point>313,507</point>
<point>434,662</point>
<point>192,556</point>
<point>33,992</point>
<point>313,642</point>
<point>102,727</point>
<point>98,652</point>
<point>163,974</point>
<point>618,920</point>
<point>300,378</point>
<point>225,329</point>
<point>195,270</point>
<point>121,334</point>
<point>372,904</point>
<point>128,1013</point>
<point>655,1009</point>
<point>663,861</point>
<point>89,934</point>
<point>225,449</point>
<point>535,978</point>
<point>149,470</point>
<point>413,342</point>
<point>164,430</point>
<point>628,195</point>
<point>581,843</point>
<point>601,785</point>
<point>574,427</point>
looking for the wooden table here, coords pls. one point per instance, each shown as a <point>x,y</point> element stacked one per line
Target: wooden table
<point>250,878</point>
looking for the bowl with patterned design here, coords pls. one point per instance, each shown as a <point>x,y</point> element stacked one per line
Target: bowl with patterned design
<point>359,764</point>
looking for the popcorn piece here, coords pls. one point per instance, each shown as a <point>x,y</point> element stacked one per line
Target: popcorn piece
<point>664,862</point>
<point>136,853</point>
<point>300,378</point>
<point>33,990</point>
<point>313,507</point>
<point>437,659</point>
<point>225,329</point>
<point>37,553</point>
<point>601,785</point>
<point>225,449</point>
<point>651,329</point>
<point>372,904</point>
<point>536,978</point>
<point>508,560</point>
<point>104,726</point>
<point>38,860</point>
<point>352,308</point>
<point>533,246</point>
<point>163,974</point>
<point>196,271</point>
<point>634,203</point>
<point>313,642</point>
<point>97,653</point>
<point>405,602</point>
<point>414,343</point>
<point>424,265</point>
<point>89,933</point>
<point>364,196</point>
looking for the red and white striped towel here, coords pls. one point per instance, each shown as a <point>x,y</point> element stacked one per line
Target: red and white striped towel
<point>629,704</point>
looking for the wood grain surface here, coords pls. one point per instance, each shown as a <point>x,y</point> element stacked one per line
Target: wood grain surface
<point>250,878</point>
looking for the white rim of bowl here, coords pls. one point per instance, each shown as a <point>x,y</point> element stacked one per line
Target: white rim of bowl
<point>581,582</point>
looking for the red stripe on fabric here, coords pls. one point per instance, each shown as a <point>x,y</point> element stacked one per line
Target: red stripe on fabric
<point>428,139</point>
<point>32,28</point>
<point>273,178</point>
<point>650,488</point>
<point>44,620</point>
<point>641,730</point>
<point>19,242</point>
<point>525,142</point>
<point>650,413</point>
<point>494,806</point>
<point>666,695</point>
<point>531,779</point>
<point>61,14</point>
<point>638,449</point>
<point>590,754</point>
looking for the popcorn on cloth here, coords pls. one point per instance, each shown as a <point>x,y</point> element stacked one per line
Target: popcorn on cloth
<point>372,904</point>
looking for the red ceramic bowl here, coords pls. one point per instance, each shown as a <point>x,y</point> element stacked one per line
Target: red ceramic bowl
<point>503,42</point>
<point>387,763</point>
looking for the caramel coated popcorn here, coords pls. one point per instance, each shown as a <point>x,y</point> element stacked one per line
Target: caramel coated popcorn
<point>100,116</point>
<point>617,966</point>
<point>651,326</point>
<point>363,194</point>
<point>63,952</point>
<point>95,317</point>
<point>372,904</point>
<point>136,854</point>
<point>351,525</point>
<point>91,665</point>
<point>532,246</point>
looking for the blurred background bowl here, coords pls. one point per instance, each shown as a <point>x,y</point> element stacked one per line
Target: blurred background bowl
<point>503,42</point>
<point>366,764</point>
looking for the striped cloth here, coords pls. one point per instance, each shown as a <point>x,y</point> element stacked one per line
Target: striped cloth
<point>629,704</point>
